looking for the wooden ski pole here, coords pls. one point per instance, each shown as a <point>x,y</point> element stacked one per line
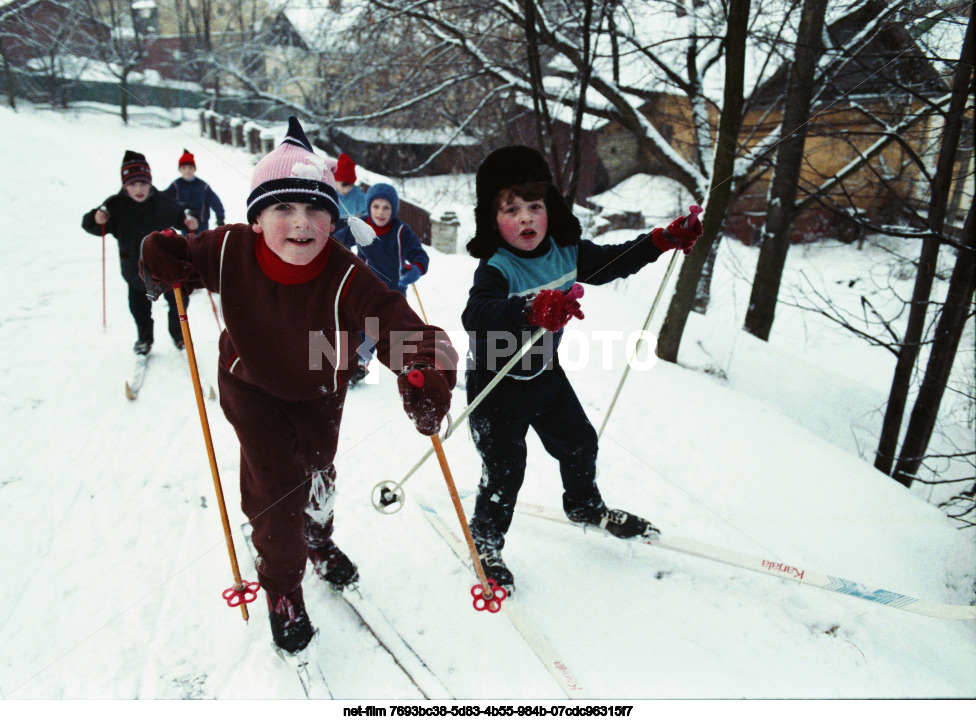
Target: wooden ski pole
<point>692,216</point>
<point>417,293</point>
<point>416,379</point>
<point>239,586</point>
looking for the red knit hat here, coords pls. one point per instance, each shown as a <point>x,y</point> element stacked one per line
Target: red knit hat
<point>135,168</point>
<point>345,170</point>
<point>187,159</point>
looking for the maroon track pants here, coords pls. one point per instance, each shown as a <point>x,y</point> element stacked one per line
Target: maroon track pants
<point>282,446</point>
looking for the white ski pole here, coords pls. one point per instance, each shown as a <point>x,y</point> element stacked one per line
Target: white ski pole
<point>693,212</point>
<point>389,493</point>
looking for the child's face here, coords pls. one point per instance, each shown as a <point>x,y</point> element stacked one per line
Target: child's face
<point>188,171</point>
<point>138,190</point>
<point>343,188</point>
<point>523,224</point>
<point>295,232</point>
<point>380,211</point>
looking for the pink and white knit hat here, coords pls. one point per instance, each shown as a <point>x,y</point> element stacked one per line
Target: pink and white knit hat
<point>292,173</point>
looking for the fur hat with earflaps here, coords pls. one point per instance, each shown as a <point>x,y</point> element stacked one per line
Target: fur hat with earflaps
<point>292,173</point>
<point>135,168</point>
<point>510,166</point>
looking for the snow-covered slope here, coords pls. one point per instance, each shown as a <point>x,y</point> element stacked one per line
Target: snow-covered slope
<point>112,558</point>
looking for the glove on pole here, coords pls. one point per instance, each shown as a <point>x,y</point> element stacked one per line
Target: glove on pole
<point>242,593</point>
<point>690,220</point>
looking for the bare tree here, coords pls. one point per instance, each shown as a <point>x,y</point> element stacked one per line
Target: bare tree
<point>908,352</point>
<point>789,155</point>
<point>956,311</point>
<point>727,149</point>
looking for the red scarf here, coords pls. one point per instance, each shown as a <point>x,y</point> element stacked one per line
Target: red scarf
<point>378,229</point>
<point>285,273</point>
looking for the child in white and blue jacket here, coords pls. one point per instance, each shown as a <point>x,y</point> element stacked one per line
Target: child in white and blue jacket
<point>392,250</point>
<point>532,256</point>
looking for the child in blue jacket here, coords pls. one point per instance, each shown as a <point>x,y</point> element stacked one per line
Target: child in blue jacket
<point>532,256</point>
<point>195,193</point>
<point>390,248</point>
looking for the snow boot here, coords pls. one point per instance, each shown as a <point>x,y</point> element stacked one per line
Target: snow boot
<point>333,566</point>
<point>178,342</point>
<point>616,522</point>
<point>495,568</point>
<point>291,628</point>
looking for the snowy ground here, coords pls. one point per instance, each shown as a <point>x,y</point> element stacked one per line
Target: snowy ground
<point>113,559</point>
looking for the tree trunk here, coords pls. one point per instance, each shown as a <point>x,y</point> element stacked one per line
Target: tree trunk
<point>721,190</point>
<point>781,210</point>
<point>941,183</point>
<point>8,74</point>
<point>124,96</point>
<point>949,330</point>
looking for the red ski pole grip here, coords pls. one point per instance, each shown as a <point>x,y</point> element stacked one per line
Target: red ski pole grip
<point>693,212</point>
<point>415,378</point>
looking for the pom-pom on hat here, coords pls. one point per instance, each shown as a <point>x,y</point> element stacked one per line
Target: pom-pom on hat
<point>135,168</point>
<point>345,169</point>
<point>507,167</point>
<point>187,159</point>
<point>292,173</point>
<point>385,191</point>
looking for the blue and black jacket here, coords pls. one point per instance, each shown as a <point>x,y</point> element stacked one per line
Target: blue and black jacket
<point>494,316</point>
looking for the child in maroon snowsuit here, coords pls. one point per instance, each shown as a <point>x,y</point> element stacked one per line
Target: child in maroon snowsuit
<point>294,303</point>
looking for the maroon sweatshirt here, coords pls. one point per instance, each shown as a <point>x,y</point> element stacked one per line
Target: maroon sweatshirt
<point>293,331</point>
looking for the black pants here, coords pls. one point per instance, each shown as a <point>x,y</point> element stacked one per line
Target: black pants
<point>549,405</point>
<point>141,308</point>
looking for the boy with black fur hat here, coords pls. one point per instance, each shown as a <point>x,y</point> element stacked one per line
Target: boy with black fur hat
<point>195,192</point>
<point>136,210</point>
<point>293,300</point>
<point>532,256</point>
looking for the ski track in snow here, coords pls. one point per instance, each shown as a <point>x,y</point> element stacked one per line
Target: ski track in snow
<point>113,557</point>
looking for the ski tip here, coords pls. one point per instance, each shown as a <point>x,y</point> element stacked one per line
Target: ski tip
<point>129,393</point>
<point>213,394</point>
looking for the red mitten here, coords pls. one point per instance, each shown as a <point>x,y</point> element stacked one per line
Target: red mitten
<point>681,232</point>
<point>426,396</point>
<point>552,309</point>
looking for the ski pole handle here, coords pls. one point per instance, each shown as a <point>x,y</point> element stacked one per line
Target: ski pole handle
<point>693,212</point>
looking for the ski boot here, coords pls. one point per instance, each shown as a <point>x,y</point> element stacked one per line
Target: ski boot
<point>333,566</point>
<point>616,522</point>
<point>291,628</point>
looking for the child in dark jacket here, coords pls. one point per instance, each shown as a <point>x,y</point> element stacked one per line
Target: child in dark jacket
<point>293,300</point>
<point>389,247</point>
<point>532,256</point>
<point>194,192</point>
<point>132,213</point>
